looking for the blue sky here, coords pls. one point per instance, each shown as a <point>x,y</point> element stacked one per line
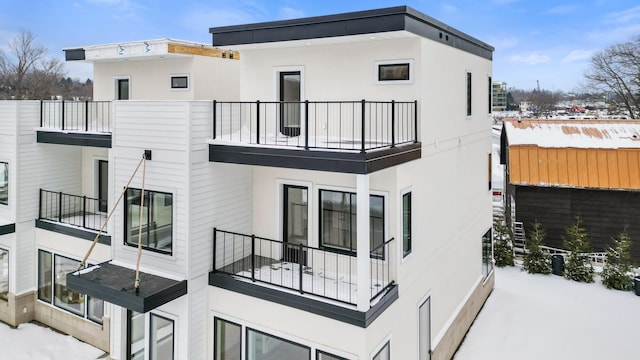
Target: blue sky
<point>546,41</point>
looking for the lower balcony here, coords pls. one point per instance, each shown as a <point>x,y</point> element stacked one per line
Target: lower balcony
<point>74,215</point>
<point>341,136</point>
<point>312,279</point>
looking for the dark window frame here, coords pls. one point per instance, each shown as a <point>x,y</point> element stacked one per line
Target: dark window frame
<point>246,342</point>
<point>168,201</point>
<point>180,82</point>
<point>123,93</point>
<point>151,345</point>
<point>215,334</point>
<point>490,95</point>
<point>400,71</point>
<point>469,93</point>
<point>52,284</point>
<point>351,249</point>
<point>4,193</point>
<point>407,237</point>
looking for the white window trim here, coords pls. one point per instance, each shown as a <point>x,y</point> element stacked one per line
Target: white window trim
<point>393,82</point>
<point>171,88</point>
<point>115,85</point>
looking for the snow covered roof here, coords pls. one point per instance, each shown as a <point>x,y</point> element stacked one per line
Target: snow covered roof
<point>145,49</point>
<point>597,154</point>
<point>586,134</point>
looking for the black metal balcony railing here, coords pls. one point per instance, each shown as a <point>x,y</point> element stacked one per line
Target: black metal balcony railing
<point>308,270</point>
<point>87,116</point>
<point>336,125</point>
<point>81,211</point>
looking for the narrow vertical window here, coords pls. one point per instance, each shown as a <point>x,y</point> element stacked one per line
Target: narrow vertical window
<point>122,90</point>
<point>135,335</point>
<point>406,224</point>
<point>228,342</point>
<point>489,171</point>
<point>4,274</point>
<point>44,276</point>
<point>490,94</point>
<point>468,94</point>
<point>424,330</point>
<point>4,183</point>
<point>161,342</point>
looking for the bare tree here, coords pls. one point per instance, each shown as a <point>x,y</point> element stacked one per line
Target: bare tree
<point>25,70</point>
<point>617,70</point>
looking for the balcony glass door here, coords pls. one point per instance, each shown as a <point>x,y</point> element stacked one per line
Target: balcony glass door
<point>296,223</point>
<point>290,103</point>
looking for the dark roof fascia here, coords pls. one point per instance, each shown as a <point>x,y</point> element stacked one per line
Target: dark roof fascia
<point>74,54</point>
<point>354,23</point>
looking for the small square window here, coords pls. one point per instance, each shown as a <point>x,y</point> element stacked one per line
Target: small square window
<point>179,82</point>
<point>393,72</point>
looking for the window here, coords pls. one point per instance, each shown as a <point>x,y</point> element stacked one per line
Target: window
<point>424,329</point>
<point>338,221</point>
<point>486,254</point>
<point>135,335</point>
<point>4,183</point>
<point>321,355</point>
<point>4,274</point>
<point>157,220</point>
<point>227,344</point>
<point>393,72</point>
<point>490,170</point>
<point>161,342</point>
<point>468,94</point>
<point>180,82</point>
<point>52,287</point>
<point>262,346</point>
<point>384,353</point>
<point>406,224</point>
<point>122,89</point>
<point>490,90</point>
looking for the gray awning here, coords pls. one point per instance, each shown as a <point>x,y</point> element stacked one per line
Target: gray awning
<point>115,284</point>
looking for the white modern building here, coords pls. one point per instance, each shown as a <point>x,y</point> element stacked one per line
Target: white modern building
<point>313,189</point>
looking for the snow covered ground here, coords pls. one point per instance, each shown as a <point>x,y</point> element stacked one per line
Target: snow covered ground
<point>549,317</point>
<point>30,341</point>
<point>526,317</point>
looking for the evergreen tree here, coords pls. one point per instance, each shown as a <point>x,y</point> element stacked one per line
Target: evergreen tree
<point>578,266</point>
<point>502,246</point>
<point>535,260</point>
<point>617,272</point>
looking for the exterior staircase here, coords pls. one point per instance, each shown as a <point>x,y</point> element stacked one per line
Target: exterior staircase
<point>519,239</point>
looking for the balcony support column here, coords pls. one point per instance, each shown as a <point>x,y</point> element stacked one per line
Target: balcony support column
<point>362,258</point>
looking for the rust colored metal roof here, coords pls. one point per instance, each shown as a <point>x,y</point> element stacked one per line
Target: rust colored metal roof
<point>601,154</point>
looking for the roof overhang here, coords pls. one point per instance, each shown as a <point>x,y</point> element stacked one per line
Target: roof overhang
<point>115,284</point>
<point>392,19</point>
<point>145,50</point>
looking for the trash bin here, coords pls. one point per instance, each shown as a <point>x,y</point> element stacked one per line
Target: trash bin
<point>636,281</point>
<point>557,264</point>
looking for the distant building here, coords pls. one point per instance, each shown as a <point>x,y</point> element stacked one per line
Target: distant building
<point>556,170</point>
<point>499,93</point>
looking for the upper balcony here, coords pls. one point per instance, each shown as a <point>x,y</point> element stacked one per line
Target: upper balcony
<point>83,123</point>
<point>357,137</point>
<point>319,280</point>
